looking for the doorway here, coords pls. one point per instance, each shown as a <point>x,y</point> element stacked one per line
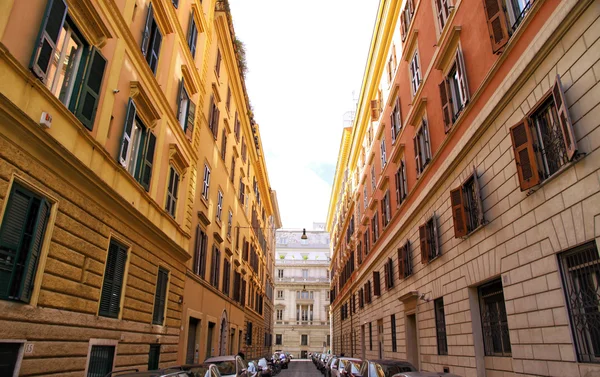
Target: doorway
<point>192,350</point>
<point>223,335</point>
<point>380,337</point>
<point>209,340</point>
<point>362,342</point>
<point>412,346</point>
<point>303,355</point>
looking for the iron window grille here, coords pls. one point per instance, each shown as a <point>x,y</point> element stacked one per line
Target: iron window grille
<point>467,206</point>
<point>551,152</point>
<point>496,339</point>
<point>440,327</point>
<point>101,361</point>
<point>580,269</point>
<point>428,237</point>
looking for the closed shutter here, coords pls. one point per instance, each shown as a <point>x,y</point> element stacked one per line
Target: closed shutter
<point>403,25</point>
<point>424,244</point>
<point>525,157</point>
<point>215,123</point>
<point>211,109</point>
<point>446,98</point>
<point>156,42</point>
<point>33,254</point>
<point>564,119</point>
<point>160,297</point>
<point>101,361</point>
<point>175,3</point>
<point>401,262</point>
<point>127,131</point>
<point>374,110</point>
<point>154,357</point>
<point>110,298</point>
<point>51,27</point>
<point>496,20</point>
<point>147,30</point>
<point>462,77</point>
<point>418,161</point>
<point>87,103</point>
<point>192,34</point>
<point>459,214</point>
<point>148,160</point>
<point>376,283</point>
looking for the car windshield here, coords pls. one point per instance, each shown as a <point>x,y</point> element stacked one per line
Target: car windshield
<point>225,367</point>
<point>392,369</point>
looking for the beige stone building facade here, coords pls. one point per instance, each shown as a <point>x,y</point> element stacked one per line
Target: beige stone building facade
<point>301,297</point>
<point>486,263</point>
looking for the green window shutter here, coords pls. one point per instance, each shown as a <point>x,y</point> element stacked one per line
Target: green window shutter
<point>179,99</point>
<point>33,255</point>
<point>127,130</point>
<point>155,50</point>
<point>192,35</point>
<point>154,357</point>
<point>158,316</point>
<point>148,160</point>
<point>87,103</point>
<point>147,30</point>
<point>51,26</point>
<point>110,298</point>
<point>189,129</point>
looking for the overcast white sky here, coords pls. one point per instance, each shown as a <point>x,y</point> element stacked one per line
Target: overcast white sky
<point>305,60</point>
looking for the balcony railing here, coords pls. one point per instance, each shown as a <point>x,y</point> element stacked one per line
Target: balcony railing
<point>302,280</point>
<point>302,261</point>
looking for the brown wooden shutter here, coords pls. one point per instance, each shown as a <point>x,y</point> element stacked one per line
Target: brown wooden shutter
<point>403,25</point>
<point>525,158</point>
<point>424,243</point>
<point>458,212</point>
<point>564,119</point>
<point>446,104</point>
<point>374,110</point>
<point>496,20</point>
<point>376,283</point>
<point>386,268</point>
<point>401,262</point>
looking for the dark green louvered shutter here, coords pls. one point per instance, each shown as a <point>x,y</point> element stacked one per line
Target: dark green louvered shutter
<point>110,298</point>
<point>51,26</point>
<point>127,131</point>
<point>89,96</point>
<point>147,29</point>
<point>155,50</point>
<point>179,98</point>
<point>147,160</point>
<point>160,296</point>
<point>101,361</point>
<point>189,129</point>
<point>35,248</point>
<point>154,356</point>
<point>192,35</point>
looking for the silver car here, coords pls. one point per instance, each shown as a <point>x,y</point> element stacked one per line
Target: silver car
<point>229,366</point>
<point>338,367</point>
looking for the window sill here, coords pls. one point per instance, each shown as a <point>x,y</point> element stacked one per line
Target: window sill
<point>204,201</point>
<point>578,157</point>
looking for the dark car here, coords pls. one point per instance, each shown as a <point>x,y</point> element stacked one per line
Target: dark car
<point>384,368</point>
<point>188,370</point>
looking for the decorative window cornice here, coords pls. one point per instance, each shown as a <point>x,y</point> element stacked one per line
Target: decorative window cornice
<point>89,22</point>
<point>145,107</point>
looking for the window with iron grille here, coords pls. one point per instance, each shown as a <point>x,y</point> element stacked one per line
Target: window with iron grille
<point>440,327</point>
<point>428,238</point>
<point>422,147</point>
<point>467,206</point>
<point>393,322</point>
<point>496,339</point>
<point>404,261</point>
<point>401,183</point>
<point>101,361</point>
<point>544,141</point>
<point>580,270</point>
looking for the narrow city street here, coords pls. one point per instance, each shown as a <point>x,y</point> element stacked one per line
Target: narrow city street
<point>301,368</point>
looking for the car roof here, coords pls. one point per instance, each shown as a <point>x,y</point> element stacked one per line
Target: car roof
<point>220,358</point>
<point>391,362</point>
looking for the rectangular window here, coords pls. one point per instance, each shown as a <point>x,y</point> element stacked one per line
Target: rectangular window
<point>422,147</point>
<point>361,298</point>
<point>383,153</point>
<point>376,283</point>
<point>415,73</point>
<point>206,183</point>
<point>10,357</point>
<point>467,207</point>
<point>368,292</point>
<point>223,144</point>
<point>218,63</point>
<point>21,238</point>
<point>280,294</point>
<point>396,120</point>
<point>375,227</point>
<point>428,238</point>
<point>406,17</point>
<point>199,267</point>
<point>213,117</point>
<point>394,343</point>
<point>112,285</point>
<point>580,270</point>
<point>404,261</point>
<point>219,205</point>
<point>154,357</point>
<point>244,150</point>
<point>278,339</point>
<point>440,326</point>
<point>496,339</point>
<point>236,127</point>
<point>454,91</point>
<point>304,273</point>
<point>137,147</point>
<point>386,212</point>
<point>304,341</point>
<point>280,273</point>
<point>280,314</point>
<point>101,361</point>
<point>215,267</point>
<point>160,297</point>
<point>503,18</point>
<point>242,192</point>
<point>365,200</point>
<point>228,100</point>
<point>373,180</point>
<point>172,190</point>
<point>389,273</point>
<point>370,337</point>
<point>544,141</point>
<point>226,276</point>
<point>151,40</point>
<point>443,12</point>
<point>192,35</point>
<point>183,102</point>
<point>366,241</point>
<point>359,252</point>
<point>229,224</point>
<point>401,183</point>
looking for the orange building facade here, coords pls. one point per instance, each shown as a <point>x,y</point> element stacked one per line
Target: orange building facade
<point>463,209</point>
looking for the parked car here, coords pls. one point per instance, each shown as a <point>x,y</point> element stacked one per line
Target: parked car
<point>339,368</point>
<point>425,374</point>
<point>230,366</point>
<point>385,368</point>
<point>351,369</point>
<point>187,370</point>
<point>282,359</point>
<point>322,360</point>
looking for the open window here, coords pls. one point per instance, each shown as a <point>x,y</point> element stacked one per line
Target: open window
<point>454,91</point>
<point>401,183</point>
<point>386,212</point>
<point>429,240</point>
<point>503,18</point>
<point>406,17</point>
<point>422,147</point>
<point>544,141</point>
<point>151,39</point>
<point>467,206</point>
<point>396,120</point>
<point>186,110</point>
